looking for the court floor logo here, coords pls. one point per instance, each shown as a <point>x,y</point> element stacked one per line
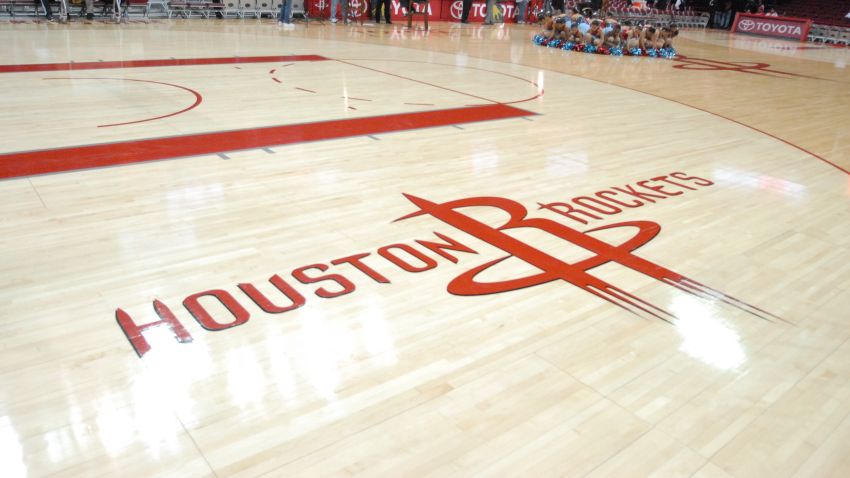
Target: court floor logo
<point>555,269</point>
<point>219,309</point>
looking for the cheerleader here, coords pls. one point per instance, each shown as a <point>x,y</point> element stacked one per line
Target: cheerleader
<point>648,38</point>
<point>666,36</point>
<point>559,31</point>
<point>594,35</point>
<point>633,36</point>
<point>574,34</point>
<point>548,27</point>
<point>612,37</point>
<point>580,20</point>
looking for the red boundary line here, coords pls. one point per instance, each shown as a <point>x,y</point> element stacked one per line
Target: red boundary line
<point>198,98</point>
<point>574,75</point>
<point>102,65</point>
<point>17,164</point>
<point>800,148</point>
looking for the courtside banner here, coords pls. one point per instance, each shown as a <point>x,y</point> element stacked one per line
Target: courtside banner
<point>445,10</point>
<point>452,11</point>
<point>789,28</point>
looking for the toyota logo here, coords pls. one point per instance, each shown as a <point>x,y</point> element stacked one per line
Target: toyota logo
<point>457,10</point>
<point>746,25</point>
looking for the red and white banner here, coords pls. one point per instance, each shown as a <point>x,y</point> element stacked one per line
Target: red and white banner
<point>439,10</point>
<point>778,27</point>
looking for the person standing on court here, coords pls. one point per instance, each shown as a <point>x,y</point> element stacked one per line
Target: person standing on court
<point>344,12</point>
<point>467,5</point>
<point>491,5</point>
<point>44,4</point>
<point>286,14</point>
<point>386,4</point>
<point>89,9</point>
<point>521,9</point>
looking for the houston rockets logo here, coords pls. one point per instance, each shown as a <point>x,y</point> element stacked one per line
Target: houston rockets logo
<point>683,62</point>
<point>333,278</point>
<point>555,269</point>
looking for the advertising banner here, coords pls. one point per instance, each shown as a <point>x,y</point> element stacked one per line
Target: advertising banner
<point>788,28</point>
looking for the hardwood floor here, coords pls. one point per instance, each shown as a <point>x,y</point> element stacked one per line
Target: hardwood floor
<point>373,251</point>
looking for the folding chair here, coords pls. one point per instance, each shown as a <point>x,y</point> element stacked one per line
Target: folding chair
<point>230,8</point>
<point>247,8</point>
<point>162,4</point>
<point>266,7</point>
<point>422,7</point>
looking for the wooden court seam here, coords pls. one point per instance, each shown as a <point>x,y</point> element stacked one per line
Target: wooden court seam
<point>395,60</point>
<point>800,148</point>
<point>417,81</point>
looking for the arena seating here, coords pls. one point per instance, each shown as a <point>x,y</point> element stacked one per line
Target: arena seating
<point>822,12</point>
<point>153,8</point>
<point>830,26</point>
<point>830,34</point>
<point>685,18</point>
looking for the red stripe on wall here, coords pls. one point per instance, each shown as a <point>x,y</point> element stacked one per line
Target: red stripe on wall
<point>28,163</point>
<point>102,65</point>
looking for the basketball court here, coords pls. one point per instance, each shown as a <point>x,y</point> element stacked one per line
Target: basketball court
<point>234,250</point>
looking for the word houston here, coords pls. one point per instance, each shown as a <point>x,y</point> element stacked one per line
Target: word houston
<point>332,284</point>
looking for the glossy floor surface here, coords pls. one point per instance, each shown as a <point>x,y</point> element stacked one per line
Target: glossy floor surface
<point>312,324</point>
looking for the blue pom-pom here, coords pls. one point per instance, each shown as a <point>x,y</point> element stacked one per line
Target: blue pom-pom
<point>542,40</point>
<point>667,53</point>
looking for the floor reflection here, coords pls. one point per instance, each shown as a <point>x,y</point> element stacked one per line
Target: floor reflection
<point>705,336</point>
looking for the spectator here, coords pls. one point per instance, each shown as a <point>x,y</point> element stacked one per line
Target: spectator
<point>344,12</point>
<point>772,13</point>
<point>45,4</point>
<point>713,14</point>
<point>386,4</point>
<point>521,7</point>
<point>467,4</point>
<point>286,14</point>
<point>491,7</point>
<point>725,15</point>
